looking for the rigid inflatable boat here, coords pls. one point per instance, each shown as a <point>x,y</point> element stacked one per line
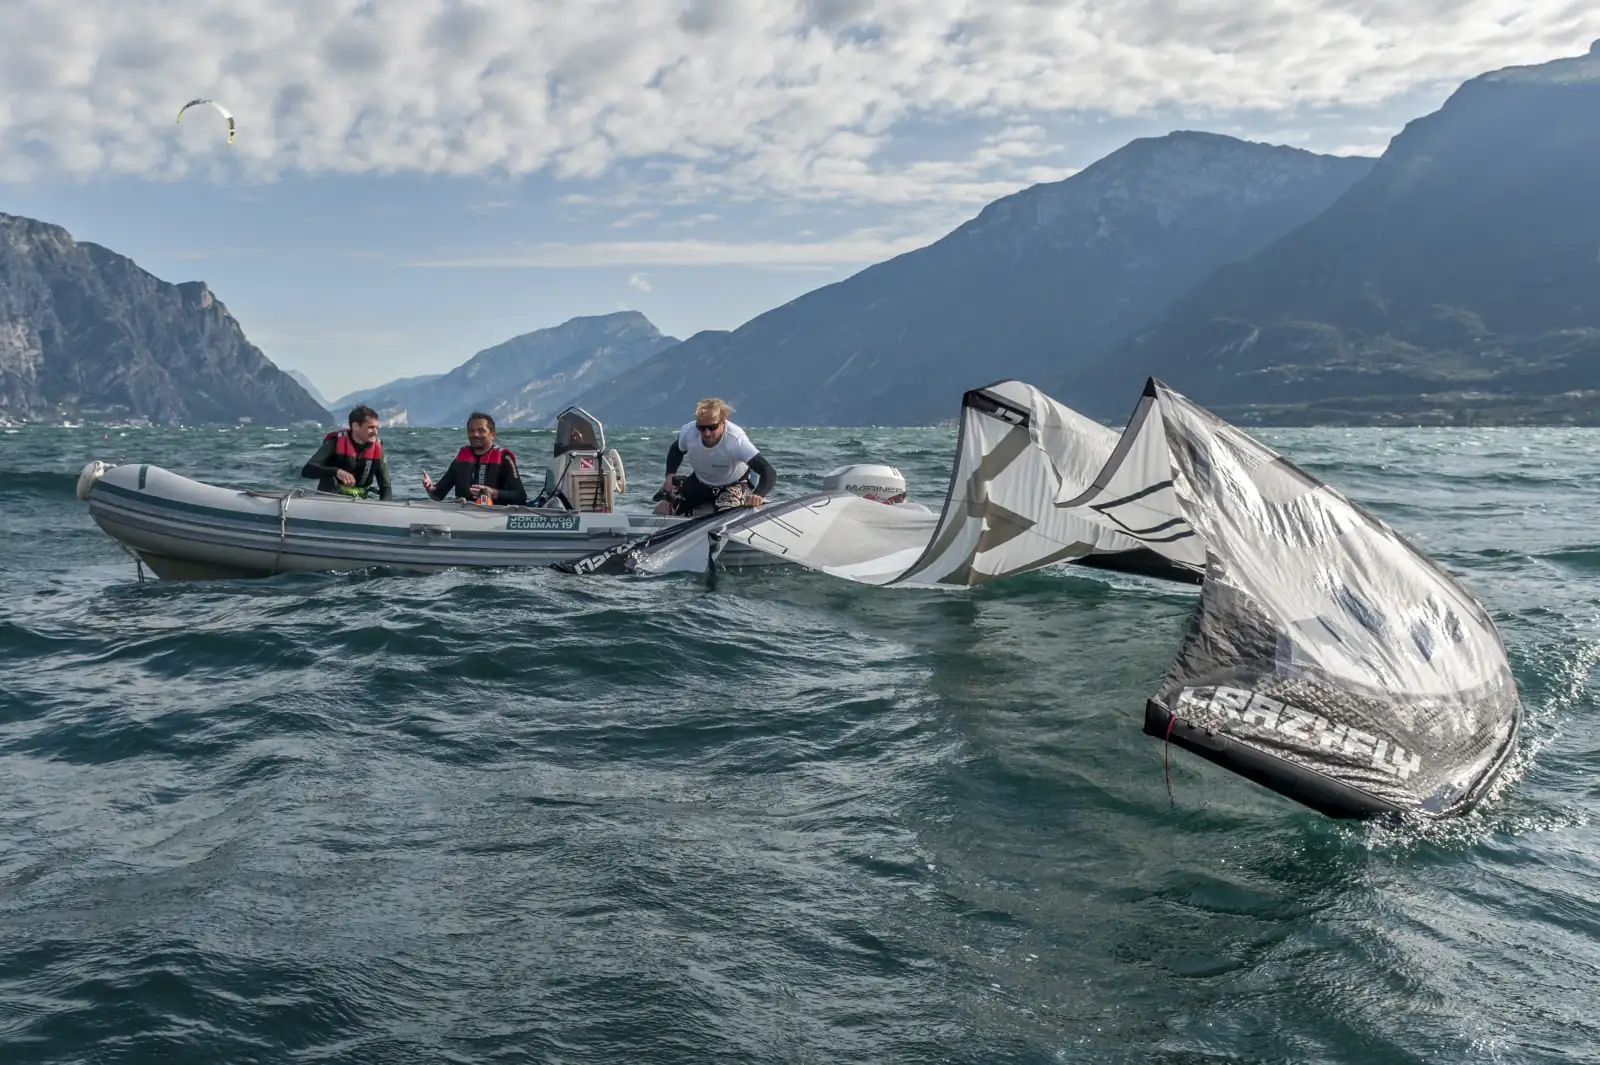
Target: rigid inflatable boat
<point>184,529</point>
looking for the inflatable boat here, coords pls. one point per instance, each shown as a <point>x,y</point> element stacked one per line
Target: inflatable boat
<point>184,529</point>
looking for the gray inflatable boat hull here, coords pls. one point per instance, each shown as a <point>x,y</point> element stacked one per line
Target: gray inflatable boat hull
<point>184,529</point>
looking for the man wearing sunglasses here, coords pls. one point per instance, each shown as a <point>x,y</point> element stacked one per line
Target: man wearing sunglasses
<point>723,458</point>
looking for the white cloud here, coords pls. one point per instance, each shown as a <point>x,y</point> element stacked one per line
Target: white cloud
<point>739,99</point>
<point>690,223</point>
<point>628,221</point>
<point>862,247</point>
<point>639,281</point>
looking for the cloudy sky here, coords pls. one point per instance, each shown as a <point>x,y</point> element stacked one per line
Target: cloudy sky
<point>413,180</point>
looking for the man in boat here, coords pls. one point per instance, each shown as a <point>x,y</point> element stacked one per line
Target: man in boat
<point>723,459</point>
<point>480,471</point>
<point>350,460</point>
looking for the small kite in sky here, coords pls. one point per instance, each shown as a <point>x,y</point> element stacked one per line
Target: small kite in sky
<point>223,111</point>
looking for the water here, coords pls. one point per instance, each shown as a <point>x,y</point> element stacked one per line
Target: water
<point>527,817</point>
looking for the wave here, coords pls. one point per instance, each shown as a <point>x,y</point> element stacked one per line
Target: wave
<point>38,483</point>
<point>1580,557</point>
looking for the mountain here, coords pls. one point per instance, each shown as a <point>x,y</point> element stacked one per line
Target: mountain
<point>391,388</point>
<point>564,361</point>
<point>1052,275</point>
<point>86,334</point>
<point>526,380</point>
<point>389,399</point>
<point>1458,282</point>
<point>311,390</point>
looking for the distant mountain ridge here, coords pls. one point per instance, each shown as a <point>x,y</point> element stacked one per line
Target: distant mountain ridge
<point>367,395</point>
<point>311,390</point>
<point>86,334</point>
<point>1054,274</point>
<point>387,399</point>
<point>524,381</point>
<point>1458,282</point>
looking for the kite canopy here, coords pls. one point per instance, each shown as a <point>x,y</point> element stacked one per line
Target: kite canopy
<point>1328,659</point>
<point>1018,451</point>
<point>223,111</point>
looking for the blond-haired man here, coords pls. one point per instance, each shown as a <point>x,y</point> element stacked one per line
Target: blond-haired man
<point>722,457</point>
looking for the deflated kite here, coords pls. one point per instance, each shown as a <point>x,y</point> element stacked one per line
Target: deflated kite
<point>1328,658</point>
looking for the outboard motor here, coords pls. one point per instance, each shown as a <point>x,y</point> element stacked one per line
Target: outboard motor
<point>583,473</point>
<point>883,484</point>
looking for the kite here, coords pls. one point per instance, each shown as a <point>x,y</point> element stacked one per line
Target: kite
<point>223,111</point>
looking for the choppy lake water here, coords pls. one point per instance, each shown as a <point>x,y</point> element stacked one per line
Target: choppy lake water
<point>518,816</point>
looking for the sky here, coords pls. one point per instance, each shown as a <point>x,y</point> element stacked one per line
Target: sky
<point>415,180</point>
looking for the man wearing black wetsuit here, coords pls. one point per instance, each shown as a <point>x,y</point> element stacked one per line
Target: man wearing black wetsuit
<point>480,470</point>
<point>350,460</point>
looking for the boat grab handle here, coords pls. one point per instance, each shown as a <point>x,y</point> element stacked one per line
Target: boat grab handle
<point>440,531</point>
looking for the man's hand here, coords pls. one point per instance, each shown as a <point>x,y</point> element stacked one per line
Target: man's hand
<point>484,490</point>
<point>344,477</point>
<point>753,500</point>
<point>427,482</point>
<point>668,487</point>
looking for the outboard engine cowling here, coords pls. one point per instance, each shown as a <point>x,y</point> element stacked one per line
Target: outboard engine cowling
<point>869,481</point>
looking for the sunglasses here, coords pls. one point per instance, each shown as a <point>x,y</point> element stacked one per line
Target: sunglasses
<point>708,428</point>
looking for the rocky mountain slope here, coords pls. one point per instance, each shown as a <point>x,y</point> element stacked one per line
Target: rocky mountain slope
<point>87,335</point>
<point>1458,282</point>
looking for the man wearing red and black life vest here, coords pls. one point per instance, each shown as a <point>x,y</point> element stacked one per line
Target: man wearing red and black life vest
<point>480,470</point>
<point>350,461</point>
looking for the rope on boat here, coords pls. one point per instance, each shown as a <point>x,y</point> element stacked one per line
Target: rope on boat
<point>138,563</point>
<point>283,528</point>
